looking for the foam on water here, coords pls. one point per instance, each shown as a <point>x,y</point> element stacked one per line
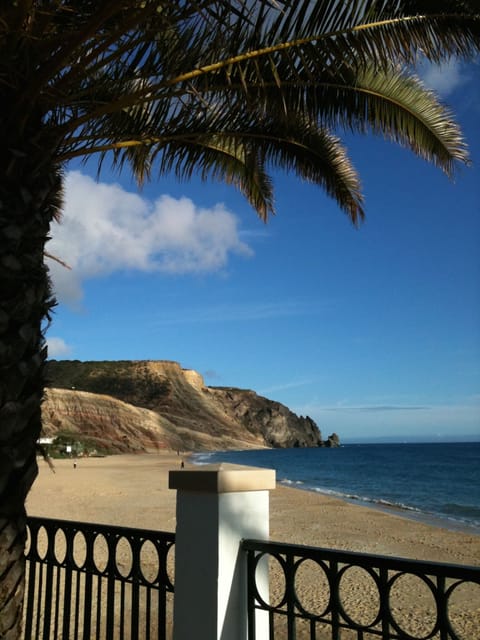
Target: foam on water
<point>435,481</point>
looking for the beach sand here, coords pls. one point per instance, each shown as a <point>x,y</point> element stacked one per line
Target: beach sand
<point>132,490</point>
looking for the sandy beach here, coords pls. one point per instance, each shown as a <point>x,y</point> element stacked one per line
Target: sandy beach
<point>133,491</point>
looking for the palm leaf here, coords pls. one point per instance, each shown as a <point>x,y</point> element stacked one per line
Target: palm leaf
<point>133,78</point>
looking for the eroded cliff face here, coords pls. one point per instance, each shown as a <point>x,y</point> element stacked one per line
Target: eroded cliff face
<point>146,405</point>
<point>105,421</point>
<point>278,426</point>
<point>109,424</point>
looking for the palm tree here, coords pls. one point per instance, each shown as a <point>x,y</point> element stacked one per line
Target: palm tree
<point>230,89</point>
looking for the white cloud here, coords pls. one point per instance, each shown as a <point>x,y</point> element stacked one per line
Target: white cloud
<point>285,386</point>
<point>241,312</point>
<point>57,347</point>
<point>445,78</point>
<point>106,229</point>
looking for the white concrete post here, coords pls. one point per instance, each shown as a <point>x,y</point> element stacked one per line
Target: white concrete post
<point>218,506</point>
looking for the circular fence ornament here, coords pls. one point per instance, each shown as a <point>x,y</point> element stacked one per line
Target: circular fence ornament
<point>312,588</point>
<point>123,557</point>
<point>101,553</point>
<point>79,550</point>
<point>414,616</point>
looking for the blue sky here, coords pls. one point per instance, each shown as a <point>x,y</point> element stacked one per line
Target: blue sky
<point>373,332</point>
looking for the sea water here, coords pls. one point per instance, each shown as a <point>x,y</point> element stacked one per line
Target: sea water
<point>434,482</point>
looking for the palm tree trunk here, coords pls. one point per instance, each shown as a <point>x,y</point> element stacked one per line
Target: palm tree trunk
<point>12,569</point>
<point>30,189</point>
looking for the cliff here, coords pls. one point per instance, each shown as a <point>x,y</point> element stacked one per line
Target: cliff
<point>145,405</point>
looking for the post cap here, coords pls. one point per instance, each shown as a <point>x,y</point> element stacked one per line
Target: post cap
<point>222,478</point>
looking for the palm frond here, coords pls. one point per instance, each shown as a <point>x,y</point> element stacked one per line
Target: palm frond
<point>388,102</point>
<point>242,148</point>
<point>135,79</point>
<point>399,107</point>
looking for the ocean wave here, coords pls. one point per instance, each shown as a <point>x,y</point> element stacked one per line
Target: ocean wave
<point>464,510</point>
<point>203,458</point>
<point>459,516</point>
<point>397,505</point>
<point>468,524</point>
<point>417,490</point>
<point>381,502</point>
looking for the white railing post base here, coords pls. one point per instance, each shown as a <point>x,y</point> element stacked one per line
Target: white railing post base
<point>217,507</point>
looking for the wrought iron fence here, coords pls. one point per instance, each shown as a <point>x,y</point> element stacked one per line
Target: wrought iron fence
<point>320,594</point>
<point>88,581</point>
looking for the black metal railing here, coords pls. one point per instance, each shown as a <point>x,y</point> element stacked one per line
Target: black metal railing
<point>88,581</point>
<point>320,594</point>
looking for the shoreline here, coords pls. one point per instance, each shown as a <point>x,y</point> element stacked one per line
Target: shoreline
<point>132,490</point>
<point>409,512</point>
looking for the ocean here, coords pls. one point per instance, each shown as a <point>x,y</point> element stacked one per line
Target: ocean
<point>438,483</point>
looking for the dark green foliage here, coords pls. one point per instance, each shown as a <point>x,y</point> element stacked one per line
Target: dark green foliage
<point>124,380</point>
<point>81,445</point>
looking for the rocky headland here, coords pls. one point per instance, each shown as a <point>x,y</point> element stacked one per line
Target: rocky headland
<point>137,406</point>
